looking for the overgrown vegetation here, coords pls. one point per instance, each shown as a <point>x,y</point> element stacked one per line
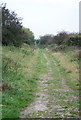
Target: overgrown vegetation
<point>12,29</point>
<point>59,85</point>
<point>44,40</point>
<point>21,70</point>
<point>19,79</point>
<point>61,39</point>
<point>30,39</point>
<point>22,64</point>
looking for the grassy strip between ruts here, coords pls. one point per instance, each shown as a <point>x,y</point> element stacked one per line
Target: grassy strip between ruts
<point>21,68</point>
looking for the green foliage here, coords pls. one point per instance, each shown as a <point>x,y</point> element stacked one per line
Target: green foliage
<point>12,31</point>
<point>74,40</point>
<point>61,40</point>
<point>26,51</point>
<point>37,42</point>
<point>19,79</point>
<point>12,28</point>
<point>45,39</point>
<point>9,65</point>
<point>30,39</point>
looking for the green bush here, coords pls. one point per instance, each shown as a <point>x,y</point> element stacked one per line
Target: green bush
<point>74,40</point>
<point>26,51</point>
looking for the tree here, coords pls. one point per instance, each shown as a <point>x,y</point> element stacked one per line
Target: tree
<point>30,36</point>
<point>60,38</point>
<point>45,39</point>
<point>11,28</point>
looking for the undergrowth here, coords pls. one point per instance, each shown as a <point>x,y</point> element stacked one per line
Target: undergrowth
<point>21,68</point>
<point>19,79</point>
<point>68,60</point>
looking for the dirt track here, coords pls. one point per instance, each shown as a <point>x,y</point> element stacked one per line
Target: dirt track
<point>56,98</point>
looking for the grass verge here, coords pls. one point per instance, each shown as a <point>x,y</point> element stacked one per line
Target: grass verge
<point>19,79</point>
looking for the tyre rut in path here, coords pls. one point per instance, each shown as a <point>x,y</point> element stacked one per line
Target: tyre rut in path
<point>48,104</point>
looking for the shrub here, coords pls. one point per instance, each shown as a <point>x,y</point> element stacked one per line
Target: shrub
<point>60,38</point>
<point>45,39</point>
<point>74,40</point>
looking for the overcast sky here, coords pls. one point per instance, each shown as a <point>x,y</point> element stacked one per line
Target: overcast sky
<point>47,16</point>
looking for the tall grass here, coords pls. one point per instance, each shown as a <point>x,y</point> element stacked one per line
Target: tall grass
<point>19,80</point>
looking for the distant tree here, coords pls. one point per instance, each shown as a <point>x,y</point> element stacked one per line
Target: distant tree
<point>74,40</point>
<point>37,41</point>
<point>60,38</point>
<point>67,39</point>
<point>45,39</point>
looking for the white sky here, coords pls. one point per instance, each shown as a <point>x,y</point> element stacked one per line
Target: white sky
<point>47,16</point>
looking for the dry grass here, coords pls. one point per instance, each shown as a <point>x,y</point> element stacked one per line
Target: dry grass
<point>66,63</point>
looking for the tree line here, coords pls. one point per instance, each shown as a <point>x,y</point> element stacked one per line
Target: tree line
<point>62,38</point>
<point>13,33</point>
